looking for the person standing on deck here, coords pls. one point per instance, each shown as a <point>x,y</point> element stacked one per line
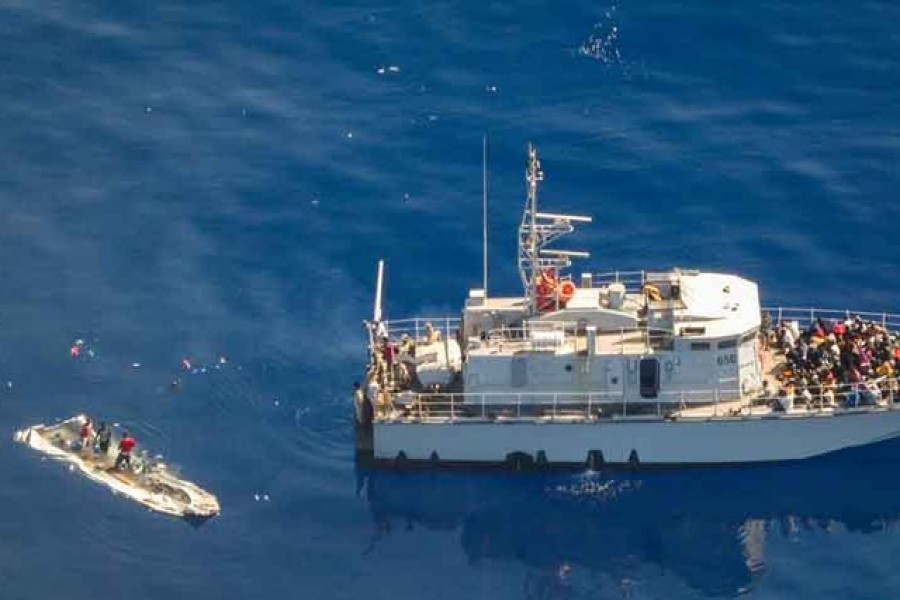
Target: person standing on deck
<point>361,404</point>
<point>87,436</point>
<point>389,354</point>
<point>372,391</point>
<point>126,445</point>
<point>104,436</point>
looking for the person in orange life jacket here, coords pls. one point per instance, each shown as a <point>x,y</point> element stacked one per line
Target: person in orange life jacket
<point>87,436</point>
<point>126,445</point>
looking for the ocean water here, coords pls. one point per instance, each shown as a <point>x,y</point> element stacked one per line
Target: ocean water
<point>216,181</point>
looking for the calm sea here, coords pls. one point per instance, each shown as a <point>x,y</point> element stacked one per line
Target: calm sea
<point>216,180</point>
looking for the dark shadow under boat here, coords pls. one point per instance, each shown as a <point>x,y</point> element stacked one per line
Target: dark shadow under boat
<point>708,526</point>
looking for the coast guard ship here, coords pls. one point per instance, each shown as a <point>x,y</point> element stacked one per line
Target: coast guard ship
<point>670,367</point>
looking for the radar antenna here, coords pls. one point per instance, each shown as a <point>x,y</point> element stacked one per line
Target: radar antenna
<point>536,232</point>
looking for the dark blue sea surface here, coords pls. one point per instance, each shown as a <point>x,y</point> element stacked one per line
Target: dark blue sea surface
<point>216,180</point>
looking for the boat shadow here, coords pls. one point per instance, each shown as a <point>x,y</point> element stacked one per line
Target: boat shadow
<point>708,526</point>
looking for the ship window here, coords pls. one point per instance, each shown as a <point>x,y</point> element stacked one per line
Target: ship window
<point>693,330</point>
<point>727,344</point>
<point>699,345</point>
<point>649,376</point>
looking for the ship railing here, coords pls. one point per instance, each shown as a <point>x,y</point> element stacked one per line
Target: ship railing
<point>552,405</point>
<point>808,315</point>
<point>550,335</point>
<point>717,402</point>
<point>419,328</point>
<point>633,280</point>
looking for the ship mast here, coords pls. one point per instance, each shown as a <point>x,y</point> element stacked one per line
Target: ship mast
<point>536,231</point>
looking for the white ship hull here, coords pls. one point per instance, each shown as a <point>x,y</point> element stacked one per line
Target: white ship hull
<point>642,442</point>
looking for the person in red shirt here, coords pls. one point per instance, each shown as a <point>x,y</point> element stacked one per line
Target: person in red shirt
<point>87,436</point>
<point>126,445</point>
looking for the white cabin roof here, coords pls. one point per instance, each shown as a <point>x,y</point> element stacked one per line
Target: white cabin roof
<point>723,304</point>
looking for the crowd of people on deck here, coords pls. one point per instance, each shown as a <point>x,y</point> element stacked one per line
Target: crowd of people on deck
<point>99,441</point>
<point>853,361</point>
<point>391,368</point>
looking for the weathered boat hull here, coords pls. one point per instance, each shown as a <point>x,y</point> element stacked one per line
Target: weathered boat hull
<point>161,491</point>
<point>633,442</point>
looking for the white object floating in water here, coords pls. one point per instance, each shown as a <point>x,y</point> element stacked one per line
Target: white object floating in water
<point>148,109</point>
<point>256,497</point>
<point>136,365</point>
<point>492,89</point>
<point>9,385</point>
<point>349,135</point>
<point>71,467</point>
<point>266,497</point>
<point>394,69</point>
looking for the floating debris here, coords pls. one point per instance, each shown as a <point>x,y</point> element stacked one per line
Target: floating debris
<point>136,365</point>
<point>81,349</point>
<point>603,43</point>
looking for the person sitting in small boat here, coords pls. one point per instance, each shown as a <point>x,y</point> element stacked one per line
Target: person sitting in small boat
<point>104,436</point>
<point>87,436</point>
<point>126,445</point>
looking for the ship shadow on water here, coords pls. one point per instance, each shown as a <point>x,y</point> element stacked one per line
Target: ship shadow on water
<point>708,527</point>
